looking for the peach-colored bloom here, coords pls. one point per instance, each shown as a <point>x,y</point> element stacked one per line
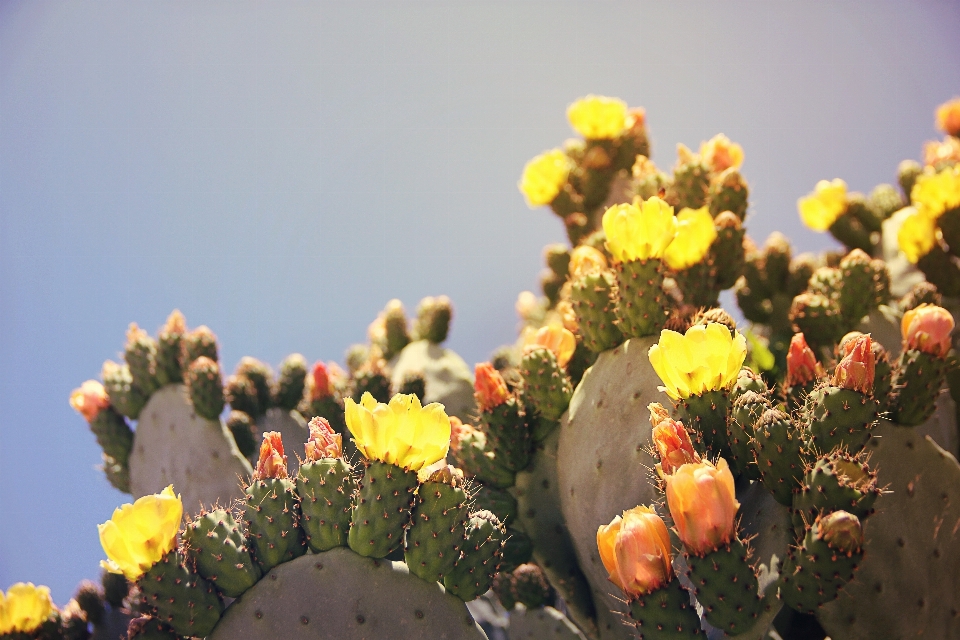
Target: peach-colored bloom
<point>856,370</point>
<point>703,503</point>
<point>720,153</point>
<point>557,339</point>
<point>671,439</point>
<point>948,117</point>
<point>272,462</point>
<point>635,551</point>
<point>324,442</point>
<point>802,365</point>
<point>89,399</point>
<point>927,328</point>
<point>490,387</point>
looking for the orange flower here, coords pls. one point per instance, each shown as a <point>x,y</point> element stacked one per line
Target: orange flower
<point>720,153</point>
<point>856,369</point>
<point>802,365</point>
<point>89,399</point>
<point>324,442</point>
<point>927,328</point>
<point>635,551</point>
<point>557,339</point>
<point>272,462</point>
<point>491,389</point>
<point>948,117</point>
<point>703,503</point>
<point>321,382</point>
<point>672,440</point>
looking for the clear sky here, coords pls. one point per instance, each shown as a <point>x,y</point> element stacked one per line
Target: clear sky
<point>278,171</point>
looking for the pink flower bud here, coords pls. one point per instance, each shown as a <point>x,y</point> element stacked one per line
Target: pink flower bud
<point>927,328</point>
<point>272,462</point>
<point>802,365</point>
<point>324,442</point>
<point>672,440</point>
<point>703,503</point>
<point>89,399</point>
<point>856,369</point>
<point>635,551</point>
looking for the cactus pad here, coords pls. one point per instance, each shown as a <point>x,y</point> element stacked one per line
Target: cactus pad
<point>447,379</point>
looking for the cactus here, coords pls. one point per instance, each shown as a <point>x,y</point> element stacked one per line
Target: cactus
<point>288,391</point>
<point>216,546</point>
<point>437,530</point>
<point>386,494</point>
<point>381,599</point>
<point>447,378</point>
<point>325,488</point>
<point>205,387</point>
<point>183,600</point>
<point>473,572</point>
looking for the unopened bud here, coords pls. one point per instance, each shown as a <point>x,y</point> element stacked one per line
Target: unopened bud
<point>272,462</point>
<point>802,365</point>
<point>324,442</point>
<point>856,370</point>
<point>490,387</point>
<point>841,530</point>
<point>89,399</point>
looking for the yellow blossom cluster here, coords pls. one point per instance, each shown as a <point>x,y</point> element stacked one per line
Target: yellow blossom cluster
<point>705,358</point>
<point>24,608</point>
<point>138,535</point>
<point>401,432</point>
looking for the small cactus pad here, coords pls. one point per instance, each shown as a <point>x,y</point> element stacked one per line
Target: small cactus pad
<point>272,515</point>
<point>665,613</point>
<point>907,584</point>
<point>216,545</point>
<point>326,487</point>
<point>173,445</point>
<point>382,510</point>
<point>179,598</point>
<point>339,595</point>
<point>726,586</point>
<point>472,574</point>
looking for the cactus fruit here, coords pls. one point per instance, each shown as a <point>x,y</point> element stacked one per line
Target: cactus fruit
<point>838,417</point>
<point>691,182</point>
<point>125,396</point>
<point>539,512</point>
<point>186,602</point>
<point>641,306</point>
<point>726,586</point>
<point>593,298</point>
<point>546,385</point>
<point>473,455</point>
<point>242,395</point>
<point>818,318</point>
<point>727,252</point>
<point>244,431</point>
<point>113,435</point>
<point>473,572</point>
<point>198,342</point>
<point>414,384</point>
<point>260,375</point>
<point>381,599</point>
<point>433,319</point>
<point>837,481</point>
<point>778,454</point>
<point>746,411</point>
<point>437,529</point>
<point>665,613</point>
<point>447,378</point>
<point>173,445</point>
<point>326,486</point>
<point>907,583</point>
<point>140,354</point>
<point>382,508</point>
<point>503,419</point>
<point>205,387</point>
<point>216,547</point>
<point>290,383</point>
<point>170,349</point>
<point>866,285</point>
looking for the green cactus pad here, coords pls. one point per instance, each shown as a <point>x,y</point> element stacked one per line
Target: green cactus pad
<point>382,509</point>
<point>697,283</point>
<point>726,587</point>
<point>727,253</point>
<point>473,572</point>
<point>747,409</point>
<point>818,318</point>
<point>241,393</point>
<point>691,184</point>
<point>665,613</point>
<point>205,387</point>
<point>642,302</point>
<point>546,385</point>
<point>474,458</point>
<point>146,628</point>
<point>261,376</point>
<point>113,435</point>
<point>850,230</point>
<point>508,433</point>
<point>706,415</point>
<point>501,503</point>
<point>729,192</point>
<point>374,599</point>
<point>169,356</point>
<point>173,445</point>
<point>196,343</point>
<point>517,549</point>
<point>433,319</point>
<point>539,512</point>
<point>814,574</point>
<point>272,515</point>
<point>397,334</point>
<point>918,381</point>
<point>436,532</point>
<point>884,200</point>
<point>447,378</point>
<point>593,297</point>
<point>866,285</point>
<point>216,546</point>
<point>604,454</point>
<point>777,449</point>
<point>530,586</point>
<point>413,384</point>
<point>325,488</point>
<point>907,584</point>
<point>292,429</point>
<point>125,396</point>
<point>836,417</point>
<point>183,600</point>
<point>245,433</point>
<point>838,481</point>
<point>140,354</point>
<point>288,391</point>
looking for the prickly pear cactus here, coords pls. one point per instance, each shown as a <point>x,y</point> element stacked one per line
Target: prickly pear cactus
<point>542,623</point>
<point>446,376</point>
<point>339,595</point>
<point>907,584</point>
<point>292,428</point>
<point>603,458</point>
<point>173,445</point>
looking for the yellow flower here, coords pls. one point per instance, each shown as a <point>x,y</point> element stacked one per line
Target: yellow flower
<point>721,153</point>
<point>917,235</point>
<point>695,234</point>
<point>639,232</point>
<point>820,209</point>
<point>557,339</point>
<point>635,551</point>
<point>703,503</point>
<point>704,359</point>
<point>140,534</point>
<point>598,117</point>
<point>934,193</point>
<point>401,432</point>
<point>948,117</point>
<point>25,608</point>
<point>544,177</point>
<point>585,259</point>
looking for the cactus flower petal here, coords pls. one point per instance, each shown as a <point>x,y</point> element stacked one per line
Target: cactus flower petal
<point>639,232</point>
<point>695,234</point>
<point>598,117</point>
<point>544,177</point>
<point>24,608</point>
<point>702,501</point>
<point>802,365</point>
<point>138,535</point>
<point>856,370</point>
<point>272,462</point>
<point>324,442</point>
<point>705,358</point>
<point>927,328</point>
<point>820,209</point>
<point>401,432</point>
<point>720,153</point>
<point>89,399</point>
<point>635,551</point>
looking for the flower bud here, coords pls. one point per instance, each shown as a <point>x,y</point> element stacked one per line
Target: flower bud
<point>927,328</point>
<point>702,501</point>
<point>720,153</point>
<point>490,387</point>
<point>458,431</point>
<point>802,365</point>
<point>447,474</point>
<point>948,117</point>
<point>24,609</point>
<point>272,462</point>
<point>672,440</point>
<point>635,551</point>
<point>585,259</point>
<point>841,530</point>
<point>176,323</point>
<point>557,339</point>
<point>324,442</point>
<point>856,370</point>
<point>89,399</point>
<point>321,382</point>
<point>598,117</point>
